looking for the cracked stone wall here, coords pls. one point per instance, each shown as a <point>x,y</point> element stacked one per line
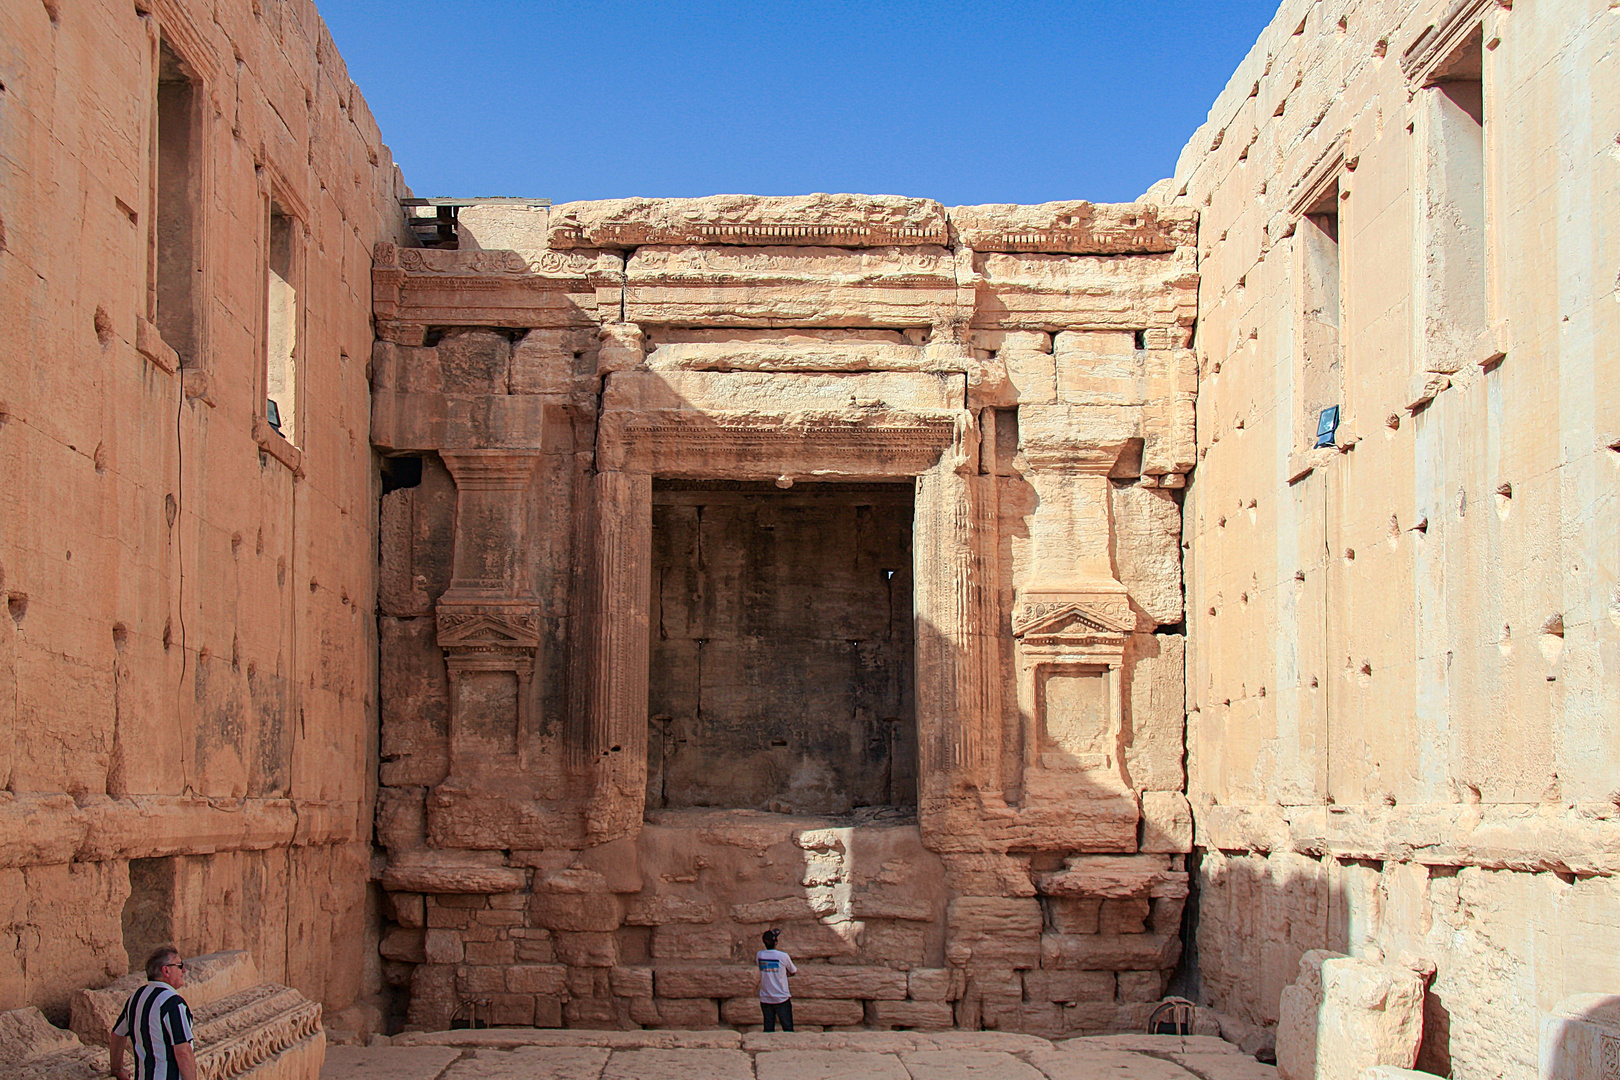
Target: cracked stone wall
<point>1404,710</point>
<point>186,661</point>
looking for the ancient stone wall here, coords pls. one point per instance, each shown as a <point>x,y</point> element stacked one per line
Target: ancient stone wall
<point>189,197</point>
<point>1404,722</point>
<point>810,562</point>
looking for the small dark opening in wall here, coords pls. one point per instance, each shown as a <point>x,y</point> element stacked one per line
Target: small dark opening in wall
<point>1172,628</point>
<point>401,472</point>
<point>1141,339</point>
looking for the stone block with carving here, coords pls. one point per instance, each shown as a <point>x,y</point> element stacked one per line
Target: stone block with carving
<point>266,1032</point>
<point>1580,1039</point>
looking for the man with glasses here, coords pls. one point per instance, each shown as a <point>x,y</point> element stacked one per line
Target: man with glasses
<point>155,1025</point>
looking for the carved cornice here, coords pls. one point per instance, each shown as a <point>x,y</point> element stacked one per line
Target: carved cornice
<point>1422,59</point>
<point>543,264</point>
<point>694,445</point>
<point>1076,228</point>
<point>807,220</point>
<point>242,1031</point>
<point>1319,180</point>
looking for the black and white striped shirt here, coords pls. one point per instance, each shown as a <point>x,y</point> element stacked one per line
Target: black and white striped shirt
<point>155,1020</point>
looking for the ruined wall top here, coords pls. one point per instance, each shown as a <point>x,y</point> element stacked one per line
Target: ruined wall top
<point>1071,227</point>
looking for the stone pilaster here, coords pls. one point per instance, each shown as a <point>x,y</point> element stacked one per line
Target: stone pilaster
<point>949,696</point>
<point>615,744</point>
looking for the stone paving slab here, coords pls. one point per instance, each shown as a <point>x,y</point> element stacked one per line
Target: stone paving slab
<point>387,1062</point>
<point>679,1065</point>
<point>512,1038</point>
<point>554,1054</point>
<point>967,1065</point>
<point>1101,1063</point>
<point>828,1065</point>
<point>532,1063</point>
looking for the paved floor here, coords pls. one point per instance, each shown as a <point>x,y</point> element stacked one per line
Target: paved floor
<point>538,1054</point>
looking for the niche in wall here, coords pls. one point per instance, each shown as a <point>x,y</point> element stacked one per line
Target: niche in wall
<point>782,647</point>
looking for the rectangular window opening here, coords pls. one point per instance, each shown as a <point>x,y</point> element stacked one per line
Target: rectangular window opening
<point>281,327</point>
<point>1453,281</point>
<point>1320,379</point>
<point>172,299</point>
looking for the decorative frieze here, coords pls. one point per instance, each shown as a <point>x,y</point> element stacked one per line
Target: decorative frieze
<point>733,220</point>
<point>1076,227</point>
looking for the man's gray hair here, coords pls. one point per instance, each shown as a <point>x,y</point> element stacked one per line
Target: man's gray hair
<point>160,959</point>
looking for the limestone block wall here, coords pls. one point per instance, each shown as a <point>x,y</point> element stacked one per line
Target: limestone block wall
<point>189,197</point>
<point>620,712</point>
<point>1404,709</point>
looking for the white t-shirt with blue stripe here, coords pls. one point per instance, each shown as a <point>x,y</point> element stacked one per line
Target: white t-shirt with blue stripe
<point>774,968</point>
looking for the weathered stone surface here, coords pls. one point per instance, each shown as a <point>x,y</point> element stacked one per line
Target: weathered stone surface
<point>1077,1061</point>
<point>1076,228</point>
<point>678,1065</point>
<point>209,978</point>
<point>830,220</point>
<point>822,1012</point>
<point>704,982</point>
<point>915,1015</point>
<point>1167,822</point>
<point>1110,952</point>
<point>387,1062</point>
<point>532,1063</point>
<point>1068,986</point>
<point>968,1065</point>
<point>1147,549</point>
<point>827,1065</point>
<point>837,981</point>
<point>454,879</point>
<point>1580,1039</point>
<point>1115,877</point>
<point>1344,1014</point>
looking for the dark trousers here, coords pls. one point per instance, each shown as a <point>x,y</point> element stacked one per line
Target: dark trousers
<point>773,1013</point>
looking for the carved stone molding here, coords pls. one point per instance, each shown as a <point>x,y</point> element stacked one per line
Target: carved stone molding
<point>749,446</point>
<point>1074,638</point>
<point>489,629</point>
<point>790,286</point>
<point>1076,228</point>
<point>239,1032</point>
<point>1421,61</point>
<point>822,220</point>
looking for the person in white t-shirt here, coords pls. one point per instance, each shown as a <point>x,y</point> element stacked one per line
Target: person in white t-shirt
<point>775,999</point>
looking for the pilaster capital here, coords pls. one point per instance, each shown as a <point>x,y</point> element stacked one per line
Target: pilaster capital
<point>492,470</point>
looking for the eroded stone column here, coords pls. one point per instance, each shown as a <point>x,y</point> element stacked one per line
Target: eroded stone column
<point>615,744</point>
<point>948,611</point>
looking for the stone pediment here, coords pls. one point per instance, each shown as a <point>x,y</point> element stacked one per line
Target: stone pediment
<point>1068,619</point>
<point>486,630</point>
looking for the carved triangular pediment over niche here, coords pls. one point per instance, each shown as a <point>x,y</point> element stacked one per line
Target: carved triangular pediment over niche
<point>1084,615</point>
<point>484,629</point>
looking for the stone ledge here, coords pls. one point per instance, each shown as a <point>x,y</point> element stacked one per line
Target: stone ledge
<point>50,829</point>
<point>1583,838</point>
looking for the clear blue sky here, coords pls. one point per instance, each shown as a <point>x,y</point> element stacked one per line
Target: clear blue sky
<point>961,102</point>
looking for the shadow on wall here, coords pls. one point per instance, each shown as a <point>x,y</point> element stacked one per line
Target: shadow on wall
<point>1580,1039</point>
